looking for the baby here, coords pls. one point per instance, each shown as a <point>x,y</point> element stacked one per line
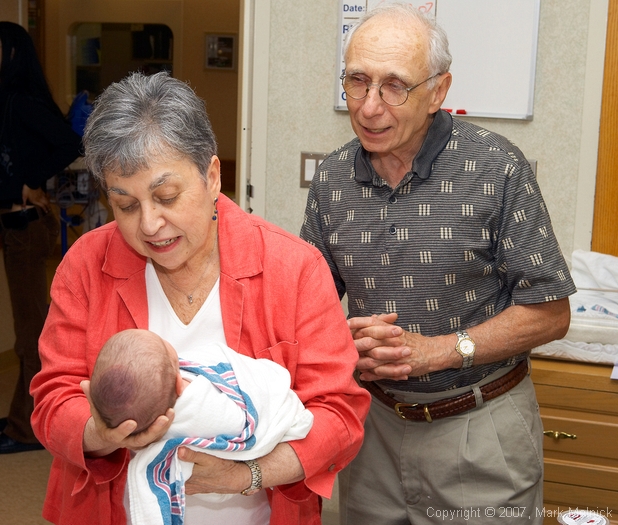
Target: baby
<point>136,376</point>
<point>236,408</point>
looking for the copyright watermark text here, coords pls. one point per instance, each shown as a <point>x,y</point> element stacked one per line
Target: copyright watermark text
<point>472,513</point>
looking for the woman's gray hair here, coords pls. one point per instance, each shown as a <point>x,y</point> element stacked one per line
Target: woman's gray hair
<point>142,117</point>
<point>439,59</point>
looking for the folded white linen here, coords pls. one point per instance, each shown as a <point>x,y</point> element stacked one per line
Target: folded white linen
<point>596,278</point>
<point>603,354</point>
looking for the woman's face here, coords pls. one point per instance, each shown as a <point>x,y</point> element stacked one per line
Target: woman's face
<point>165,211</point>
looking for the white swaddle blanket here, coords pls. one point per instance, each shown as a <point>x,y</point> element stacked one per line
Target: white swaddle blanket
<point>238,409</point>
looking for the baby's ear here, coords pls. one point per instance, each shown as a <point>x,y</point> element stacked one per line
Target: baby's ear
<point>180,384</point>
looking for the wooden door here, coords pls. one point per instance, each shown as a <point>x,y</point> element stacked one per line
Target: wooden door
<point>605,225</point>
<point>36,26</point>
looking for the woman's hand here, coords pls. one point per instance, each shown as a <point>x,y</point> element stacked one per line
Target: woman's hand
<point>212,474</point>
<point>99,440</point>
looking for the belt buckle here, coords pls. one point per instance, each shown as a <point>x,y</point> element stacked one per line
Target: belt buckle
<point>399,406</point>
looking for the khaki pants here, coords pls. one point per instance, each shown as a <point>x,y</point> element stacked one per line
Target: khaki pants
<point>484,466</point>
<point>25,255</point>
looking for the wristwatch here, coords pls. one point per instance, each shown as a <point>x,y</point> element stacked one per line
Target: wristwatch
<point>465,348</point>
<point>256,478</point>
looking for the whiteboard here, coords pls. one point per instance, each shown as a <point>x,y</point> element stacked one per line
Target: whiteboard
<point>493,44</point>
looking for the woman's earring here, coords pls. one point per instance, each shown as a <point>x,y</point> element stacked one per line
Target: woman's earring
<point>214,217</point>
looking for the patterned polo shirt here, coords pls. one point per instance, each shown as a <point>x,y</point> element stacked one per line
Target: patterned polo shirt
<point>463,236</point>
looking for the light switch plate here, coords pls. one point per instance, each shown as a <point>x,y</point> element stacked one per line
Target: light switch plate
<point>309,163</point>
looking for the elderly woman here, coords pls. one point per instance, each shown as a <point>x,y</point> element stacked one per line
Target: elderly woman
<point>185,262</point>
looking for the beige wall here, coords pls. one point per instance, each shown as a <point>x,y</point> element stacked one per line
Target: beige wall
<point>218,88</point>
<point>189,21</point>
<point>560,137</point>
<point>13,11</point>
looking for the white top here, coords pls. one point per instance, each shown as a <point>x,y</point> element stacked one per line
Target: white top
<point>188,340</point>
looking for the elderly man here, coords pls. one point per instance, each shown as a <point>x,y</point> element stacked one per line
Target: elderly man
<point>438,233</point>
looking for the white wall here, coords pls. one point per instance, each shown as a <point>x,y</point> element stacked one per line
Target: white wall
<point>562,137</point>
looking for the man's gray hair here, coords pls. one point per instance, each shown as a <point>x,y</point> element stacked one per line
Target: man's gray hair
<point>439,59</point>
<point>142,117</point>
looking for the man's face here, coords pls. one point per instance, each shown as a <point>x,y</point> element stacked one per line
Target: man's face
<point>384,49</point>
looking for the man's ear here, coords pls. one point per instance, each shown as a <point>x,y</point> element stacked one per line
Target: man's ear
<point>440,90</point>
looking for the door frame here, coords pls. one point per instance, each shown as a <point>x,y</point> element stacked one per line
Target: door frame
<point>251,149</point>
<point>604,231</point>
<point>591,111</point>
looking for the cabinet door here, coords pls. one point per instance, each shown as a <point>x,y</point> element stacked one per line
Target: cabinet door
<point>586,434</point>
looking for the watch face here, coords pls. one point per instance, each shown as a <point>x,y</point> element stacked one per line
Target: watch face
<point>466,347</point>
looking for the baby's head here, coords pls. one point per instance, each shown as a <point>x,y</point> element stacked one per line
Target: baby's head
<point>135,377</point>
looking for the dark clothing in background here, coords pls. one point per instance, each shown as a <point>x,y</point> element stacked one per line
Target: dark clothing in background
<point>35,144</point>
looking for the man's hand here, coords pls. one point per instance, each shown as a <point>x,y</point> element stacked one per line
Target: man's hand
<point>387,351</point>
<point>381,347</point>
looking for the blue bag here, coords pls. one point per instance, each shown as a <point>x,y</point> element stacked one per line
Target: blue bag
<point>79,112</point>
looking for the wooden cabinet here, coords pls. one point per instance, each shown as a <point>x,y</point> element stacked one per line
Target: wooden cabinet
<point>579,409</point>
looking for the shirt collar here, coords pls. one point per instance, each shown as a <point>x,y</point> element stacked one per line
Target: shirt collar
<point>438,135</point>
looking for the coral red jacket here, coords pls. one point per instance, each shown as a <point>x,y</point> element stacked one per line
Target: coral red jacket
<point>278,302</point>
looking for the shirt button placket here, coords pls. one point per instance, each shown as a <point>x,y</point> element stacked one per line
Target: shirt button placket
<point>393,229</point>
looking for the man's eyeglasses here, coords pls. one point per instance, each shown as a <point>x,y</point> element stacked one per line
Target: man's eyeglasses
<point>392,91</point>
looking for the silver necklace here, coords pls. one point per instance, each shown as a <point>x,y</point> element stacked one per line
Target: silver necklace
<point>190,295</point>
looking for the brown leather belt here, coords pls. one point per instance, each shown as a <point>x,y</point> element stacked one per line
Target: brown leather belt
<point>452,405</point>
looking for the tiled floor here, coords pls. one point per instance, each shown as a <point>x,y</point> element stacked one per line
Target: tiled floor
<point>23,476</point>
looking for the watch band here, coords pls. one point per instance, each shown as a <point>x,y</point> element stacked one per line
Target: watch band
<point>468,357</point>
<point>256,478</point>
